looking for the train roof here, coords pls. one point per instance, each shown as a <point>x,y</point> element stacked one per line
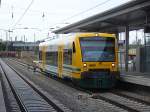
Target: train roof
<point>67,39</point>
<point>58,41</point>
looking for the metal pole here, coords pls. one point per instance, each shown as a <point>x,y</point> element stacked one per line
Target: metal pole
<point>126,47</point>
<point>6,41</point>
<point>136,38</point>
<point>118,52</point>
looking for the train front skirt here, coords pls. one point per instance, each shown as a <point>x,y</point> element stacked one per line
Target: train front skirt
<point>97,79</point>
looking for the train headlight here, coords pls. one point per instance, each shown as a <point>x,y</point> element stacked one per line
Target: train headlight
<point>113,65</point>
<point>84,65</point>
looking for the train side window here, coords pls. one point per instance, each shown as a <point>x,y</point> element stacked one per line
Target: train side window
<point>73,48</point>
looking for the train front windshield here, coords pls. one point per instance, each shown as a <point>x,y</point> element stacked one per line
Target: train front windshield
<point>97,49</point>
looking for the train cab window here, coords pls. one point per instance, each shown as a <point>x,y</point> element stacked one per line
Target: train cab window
<point>73,47</point>
<point>97,49</point>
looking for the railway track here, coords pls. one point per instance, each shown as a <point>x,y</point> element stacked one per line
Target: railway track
<point>127,101</point>
<point>123,102</point>
<point>29,97</point>
<point>69,83</point>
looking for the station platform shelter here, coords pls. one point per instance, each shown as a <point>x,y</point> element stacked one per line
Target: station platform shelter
<point>133,16</point>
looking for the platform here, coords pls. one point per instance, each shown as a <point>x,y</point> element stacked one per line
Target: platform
<point>136,78</point>
<point>2,103</point>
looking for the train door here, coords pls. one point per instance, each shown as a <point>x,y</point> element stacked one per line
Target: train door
<point>60,61</point>
<point>43,57</point>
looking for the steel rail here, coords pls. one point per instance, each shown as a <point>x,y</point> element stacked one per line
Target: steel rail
<point>38,91</point>
<point>21,104</point>
<point>109,100</point>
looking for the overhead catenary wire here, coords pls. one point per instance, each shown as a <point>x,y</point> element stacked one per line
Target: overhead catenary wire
<point>89,9</point>
<point>21,17</point>
<point>80,13</point>
<point>102,3</point>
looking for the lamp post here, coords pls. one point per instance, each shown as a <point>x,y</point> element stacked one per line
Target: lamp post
<point>7,36</point>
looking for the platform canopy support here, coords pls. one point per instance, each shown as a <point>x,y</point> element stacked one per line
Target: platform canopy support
<point>126,47</point>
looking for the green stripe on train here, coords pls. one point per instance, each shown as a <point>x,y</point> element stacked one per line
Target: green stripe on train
<point>70,67</point>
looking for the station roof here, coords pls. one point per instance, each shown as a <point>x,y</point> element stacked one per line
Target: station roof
<point>135,14</point>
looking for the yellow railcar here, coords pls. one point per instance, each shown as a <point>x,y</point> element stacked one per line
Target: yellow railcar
<point>88,59</point>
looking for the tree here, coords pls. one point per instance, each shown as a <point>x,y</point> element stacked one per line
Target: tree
<point>2,46</point>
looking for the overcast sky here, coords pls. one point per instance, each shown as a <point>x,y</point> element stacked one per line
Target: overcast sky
<point>45,14</point>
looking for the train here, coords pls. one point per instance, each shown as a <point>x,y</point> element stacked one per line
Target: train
<point>89,60</point>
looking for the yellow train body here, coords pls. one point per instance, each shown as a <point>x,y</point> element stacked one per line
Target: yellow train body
<point>66,57</point>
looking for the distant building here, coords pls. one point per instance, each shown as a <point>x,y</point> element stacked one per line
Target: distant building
<point>25,46</point>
